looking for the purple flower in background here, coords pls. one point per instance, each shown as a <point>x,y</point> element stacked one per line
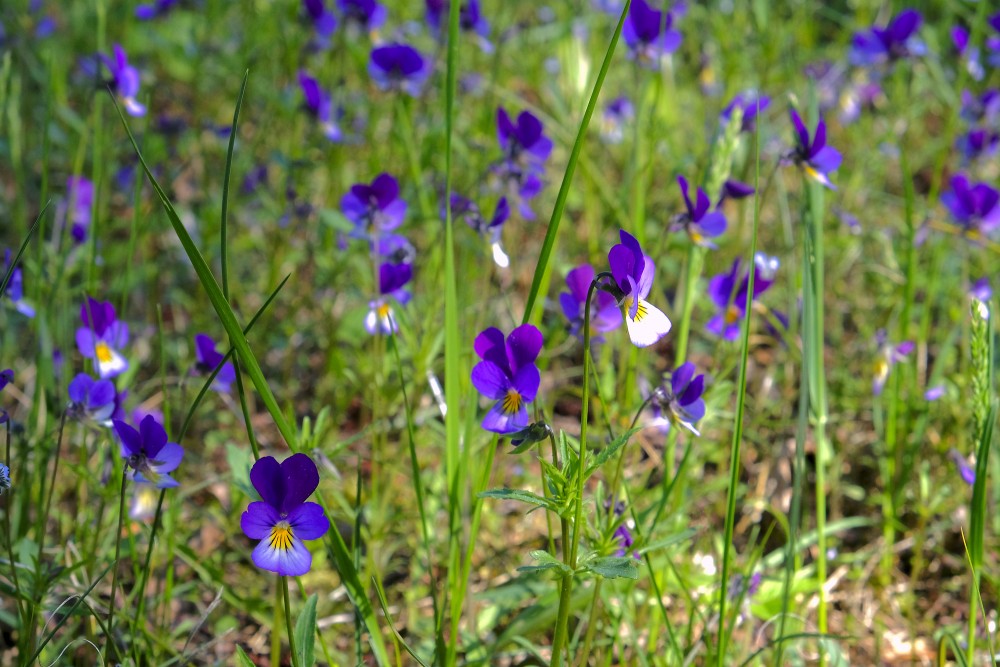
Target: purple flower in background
<point>934,393</point>
<point>815,158</point>
<point>323,21</point>
<point>633,274</point>
<point>15,287</point>
<point>525,148</point>
<point>981,290</point>
<point>978,143</point>
<point>649,34</point>
<point>466,209</point>
<point>148,453</point>
<point>699,223</point>
<point>618,113</point>
<point>622,536</point>
<point>124,80</point>
<point>101,337</point>
<point>974,208</point>
<point>392,280</point>
<point>470,20</point>
<point>79,204</point>
<point>6,377</point>
<point>375,209</point>
<point>981,109</point>
<point>154,10</point>
<point>319,106</point>
<point>858,96</point>
<point>92,400</point>
<point>993,42</point>
<point>207,359</point>
<point>144,501</point>
<point>968,54</point>
<point>605,315</point>
<point>752,103</point>
<point>735,190</point>
<point>681,402</point>
<point>399,67</point>
<point>889,355</point>
<point>283,517</point>
<point>729,293</point>
<point>508,375</point>
<point>368,15</point>
<point>897,40</point>
<point>965,469</point>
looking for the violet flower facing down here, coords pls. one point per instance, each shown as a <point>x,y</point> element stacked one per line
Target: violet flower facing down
<point>815,158</point>
<point>319,106</point>
<point>605,315</point>
<point>283,518</point>
<point>15,287</point>
<point>375,209</point>
<point>101,337</point>
<point>681,402</point>
<point>148,453</point>
<point>398,67</point>
<point>974,208</point>
<point>491,229</point>
<point>124,80</point>
<point>889,355</point>
<point>91,400</point>
<point>633,274</point>
<point>729,293</point>
<point>699,223</point>
<point>897,40</point>
<point>392,279</point>
<point>507,374</point>
<point>649,34</point>
<point>207,359</point>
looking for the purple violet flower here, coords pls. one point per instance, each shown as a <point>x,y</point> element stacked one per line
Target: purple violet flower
<point>207,359</point>
<point>470,20</point>
<point>981,290</point>
<point>368,15</point>
<point>320,107</point>
<point>978,143</point>
<point>6,377</point>
<point>898,40</point>
<point>605,315</point>
<point>148,453</point>
<point>681,402</point>
<point>392,280</point>
<point>888,356</point>
<point>92,400</point>
<point>732,189</point>
<point>375,209</point>
<point>974,208</point>
<point>15,287</point>
<point>124,80</point>
<point>399,67</point>
<point>966,470</point>
<point>815,158</point>
<point>101,337</point>
<point>79,204</point>
<point>968,54</point>
<point>981,109</point>
<point>699,223</point>
<point>525,148</point>
<point>649,34</point>
<point>508,375</point>
<point>154,10</point>
<point>752,104</point>
<point>283,518</point>
<point>323,22</point>
<point>729,293</point>
<point>934,393</point>
<point>993,41</point>
<point>467,210</point>
<point>633,274</point>
<point>618,113</point>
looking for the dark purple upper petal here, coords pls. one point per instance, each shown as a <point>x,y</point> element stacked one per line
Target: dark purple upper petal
<point>393,276</point>
<point>523,345</point>
<point>265,475</point>
<point>129,437</point>
<point>97,316</point>
<point>490,346</point>
<point>153,436</point>
<point>300,480</point>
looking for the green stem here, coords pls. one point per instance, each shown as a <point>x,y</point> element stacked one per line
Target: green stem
<point>288,621</point>
<point>114,574</point>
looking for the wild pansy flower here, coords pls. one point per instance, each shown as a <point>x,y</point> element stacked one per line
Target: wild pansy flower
<point>815,158</point>
<point>78,206</point>
<point>884,45</point>
<point>981,109</point>
<point>320,107</point>
<point>699,223</point>
<point>617,114</point>
<point>368,15</point>
<point>605,315</point>
<point>101,337</point>
<point>729,293</point>
<point>968,54</point>
<point>507,374</point>
<point>858,96</point>
<point>466,209</point>
<point>993,41</point>
<point>973,207</point>
<point>398,67</point>
<point>981,290</point>
<point>392,280</point>
<point>978,143</point>
<point>154,10</point>
<point>144,500</point>
<point>752,103</point>
<point>148,453</point>
<point>732,189</point>
<point>207,359</point>
<point>92,400</point>
<point>15,287</point>
<point>966,470</point>
<point>623,533</point>
<point>681,402</point>
<point>525,148</point>
<point>889,355</point>
<point>6,377</point>
<point>283,518</point>
<point>633,274</point>
<point>124,80</point>
<point>375,209</point>
<point>323,22</point>
<point>649,34</point>
<point>4,478</point>
<point>470,20</point>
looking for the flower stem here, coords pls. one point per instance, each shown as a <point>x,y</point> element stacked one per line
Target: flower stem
<point>288,620</point>
<point>10,541</point>
<point>114,572</point>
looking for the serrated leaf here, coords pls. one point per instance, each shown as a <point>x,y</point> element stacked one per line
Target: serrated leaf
<point>305,633</point>
<point>615,567</point>
<point>243,659</point>
<point>520,495</point>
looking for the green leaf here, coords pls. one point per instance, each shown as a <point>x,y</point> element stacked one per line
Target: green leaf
<point>242,658</point>
<point>615,567</point>
<point>609,452</point>
<point>682,536</point>
<point>305,633</point>
<point>521,495</point>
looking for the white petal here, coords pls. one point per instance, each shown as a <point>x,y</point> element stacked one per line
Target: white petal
<point>113,366</point>
<point>499,256</point>
<point>649,325</point>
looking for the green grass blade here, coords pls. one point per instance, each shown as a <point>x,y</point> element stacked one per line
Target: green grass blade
<point>223,244</point>
<point>20,250</point>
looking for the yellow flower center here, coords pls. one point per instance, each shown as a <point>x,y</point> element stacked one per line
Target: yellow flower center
<point>103,352</point>
<point>640,311</point>
<point>512,401</point>
<point>383,310</point>
<point>281,536</point>
<point>732,315</point>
